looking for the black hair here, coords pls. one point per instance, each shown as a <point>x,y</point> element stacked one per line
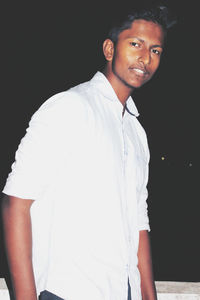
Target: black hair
<point>158,14</point>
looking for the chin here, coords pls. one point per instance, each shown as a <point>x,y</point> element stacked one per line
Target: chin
<point>136,85</point>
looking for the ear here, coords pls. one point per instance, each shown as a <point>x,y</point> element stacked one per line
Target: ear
<point>108,49</point>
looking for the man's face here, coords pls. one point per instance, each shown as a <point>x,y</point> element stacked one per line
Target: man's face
<point>137,53</point>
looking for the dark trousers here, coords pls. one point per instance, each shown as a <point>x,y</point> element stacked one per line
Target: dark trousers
<point>45,295</point>
<point>129,291</point>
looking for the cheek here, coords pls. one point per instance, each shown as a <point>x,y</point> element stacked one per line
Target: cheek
<point>124,56</point>
<point>131,58</point>
<point>154,65</point>
<point>127,59</point>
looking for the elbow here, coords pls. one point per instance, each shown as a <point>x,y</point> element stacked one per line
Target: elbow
<point>6,210</point>
<point>5,205</point>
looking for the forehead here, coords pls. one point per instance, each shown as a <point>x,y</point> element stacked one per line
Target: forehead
<point>145,30</point>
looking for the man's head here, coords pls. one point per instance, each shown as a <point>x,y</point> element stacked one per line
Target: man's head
<point>134,46</point>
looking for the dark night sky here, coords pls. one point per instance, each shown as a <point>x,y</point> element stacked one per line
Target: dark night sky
<point>50,46</point>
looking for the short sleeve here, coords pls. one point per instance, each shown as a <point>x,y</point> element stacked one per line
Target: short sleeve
<point>143,192</point>
<point>42,150</point>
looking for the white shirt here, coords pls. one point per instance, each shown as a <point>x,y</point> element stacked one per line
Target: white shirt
<point>86,167</point>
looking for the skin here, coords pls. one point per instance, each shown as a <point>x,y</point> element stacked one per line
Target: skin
<point>135,58</point>
<point>130,64</point>
<point>148,288</point>
<point>18,242</point>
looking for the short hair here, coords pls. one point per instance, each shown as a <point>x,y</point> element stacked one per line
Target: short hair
<point>158,14</point>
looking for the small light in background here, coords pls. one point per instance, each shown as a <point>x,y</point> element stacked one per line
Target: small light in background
<point>163,158</point>
<point>190,164</point>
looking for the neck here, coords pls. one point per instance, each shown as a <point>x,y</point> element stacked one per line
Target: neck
<point>122,94</point>
<point>121,89</point>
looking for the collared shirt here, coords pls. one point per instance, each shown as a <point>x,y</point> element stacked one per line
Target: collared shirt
<point>86,167</point>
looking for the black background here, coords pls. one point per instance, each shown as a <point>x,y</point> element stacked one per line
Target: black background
<point>49,46</point>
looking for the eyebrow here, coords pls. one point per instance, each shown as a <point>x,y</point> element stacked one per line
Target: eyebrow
<point>142,41</point>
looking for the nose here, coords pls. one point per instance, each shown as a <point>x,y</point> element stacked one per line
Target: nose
<point>145,57</point>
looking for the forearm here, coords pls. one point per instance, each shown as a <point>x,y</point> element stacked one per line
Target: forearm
<point>18,242</point>
<point>145,267</point>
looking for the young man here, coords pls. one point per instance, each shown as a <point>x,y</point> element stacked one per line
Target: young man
<point>75,214</point>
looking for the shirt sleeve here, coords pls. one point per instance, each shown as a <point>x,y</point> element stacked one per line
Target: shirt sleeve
<point>41,151</point>
<point>143,206</point>
<point>143,195</point>
<point>31,169</point>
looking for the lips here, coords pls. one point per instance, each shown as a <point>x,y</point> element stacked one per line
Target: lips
<point>139,71</point>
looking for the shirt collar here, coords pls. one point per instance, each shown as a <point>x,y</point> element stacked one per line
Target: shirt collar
<point>103,85</point>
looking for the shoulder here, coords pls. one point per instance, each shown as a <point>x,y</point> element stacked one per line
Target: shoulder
<point>66,105</point>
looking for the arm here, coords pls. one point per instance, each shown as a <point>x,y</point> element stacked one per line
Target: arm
<point>145,267</point>
<point>18,242</point>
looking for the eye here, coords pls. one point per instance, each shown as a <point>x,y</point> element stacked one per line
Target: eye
<point>157,52</point>
<point>134,44</point>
